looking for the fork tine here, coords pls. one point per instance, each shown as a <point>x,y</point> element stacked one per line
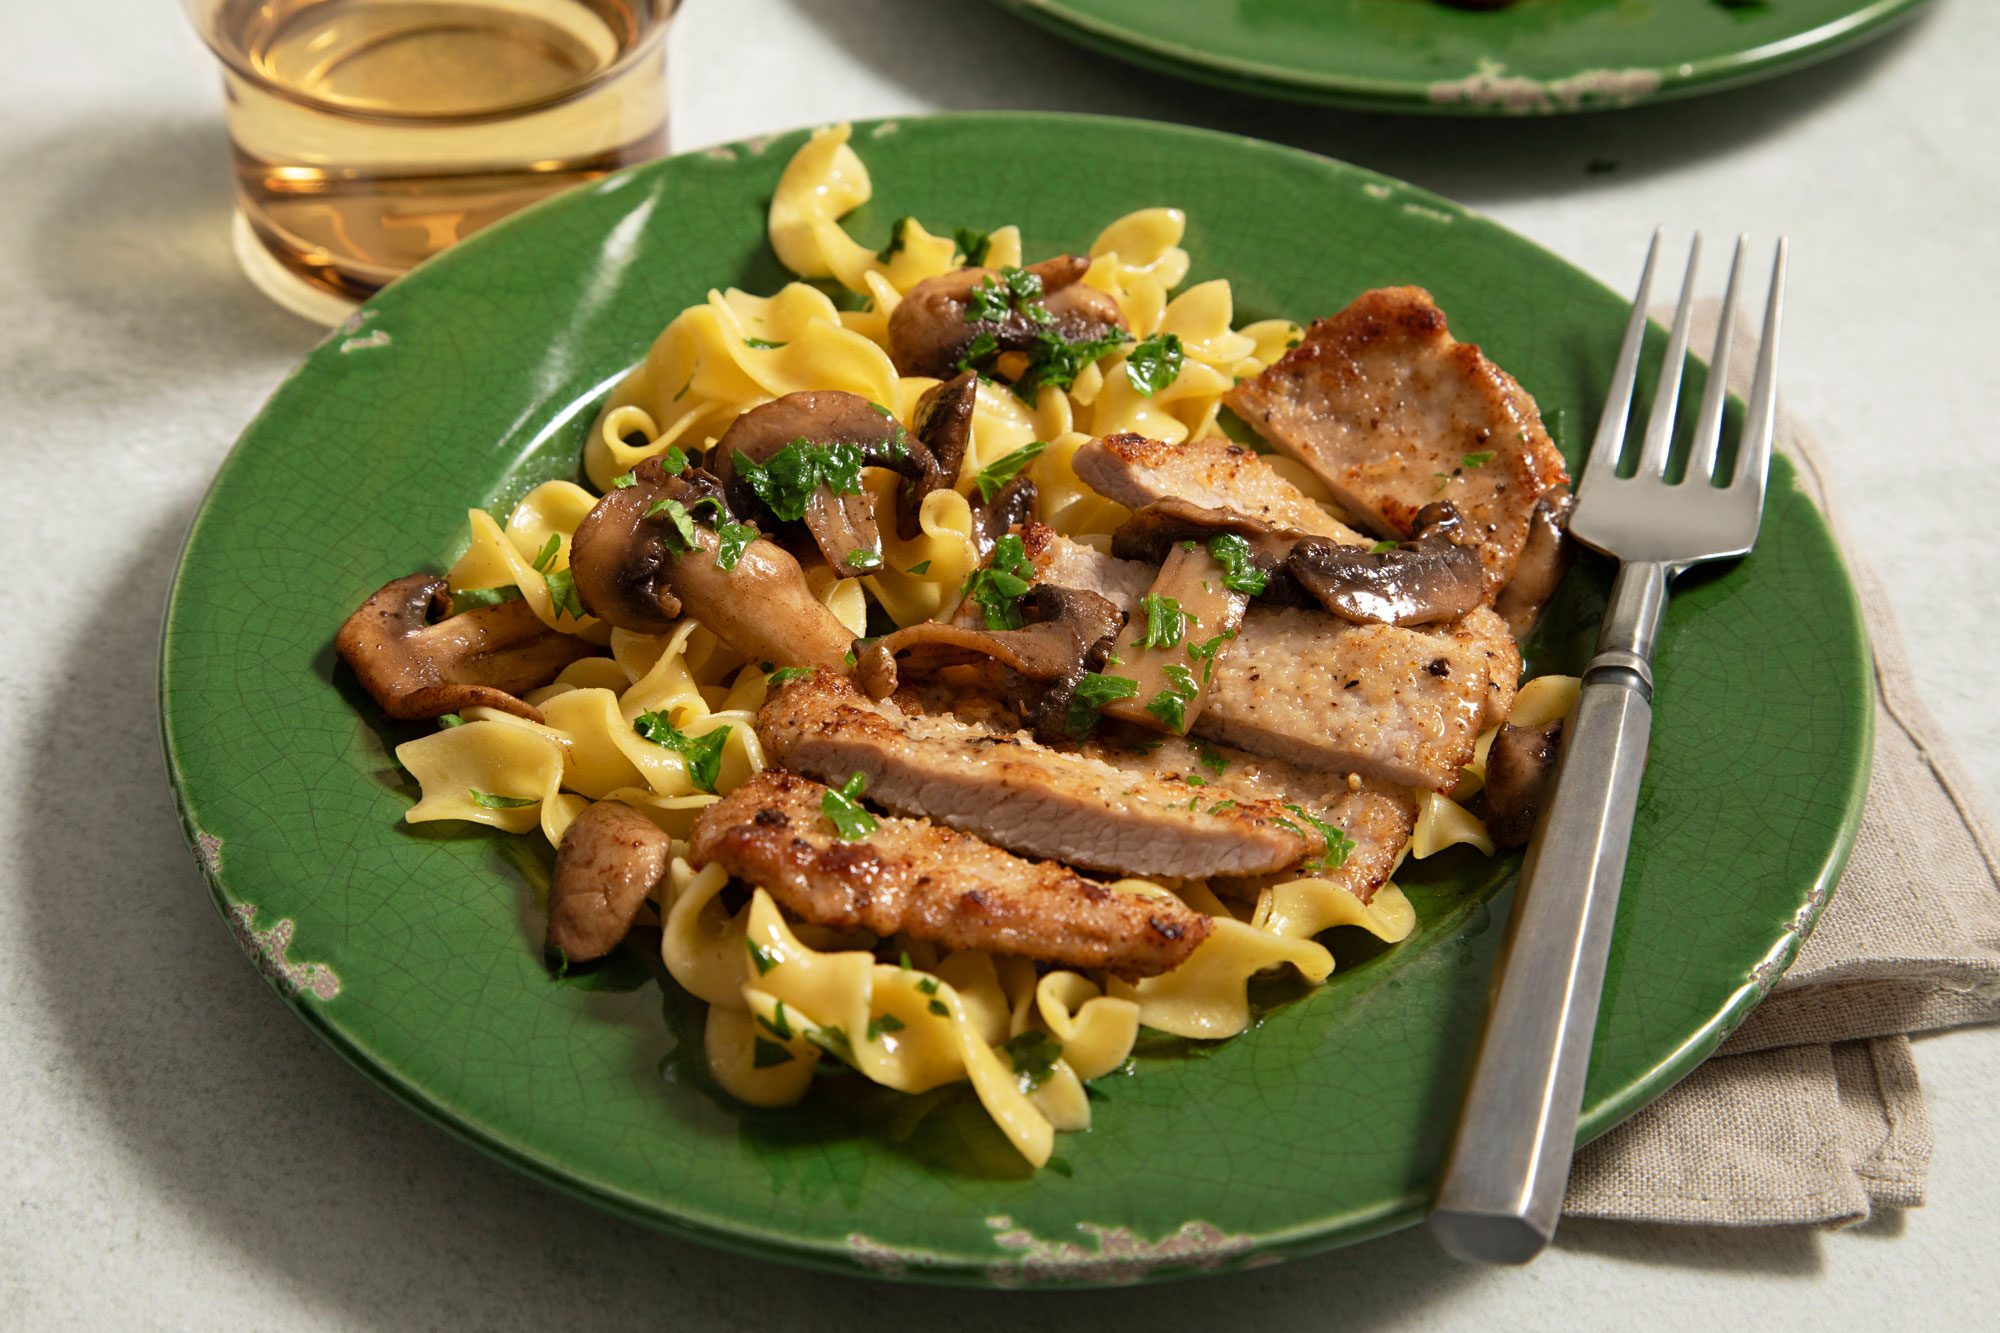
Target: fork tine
<point>1666,395</point>
<point>1610,440</point>
<point>1753,456</point>
<point>1708,425</point>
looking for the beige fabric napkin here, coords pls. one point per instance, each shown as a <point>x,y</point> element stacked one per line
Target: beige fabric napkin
<point>1810,1113</point>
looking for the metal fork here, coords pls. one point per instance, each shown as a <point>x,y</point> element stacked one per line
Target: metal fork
<point>1503,1185</point>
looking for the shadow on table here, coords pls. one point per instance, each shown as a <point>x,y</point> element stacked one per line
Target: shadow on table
<point>131,254</point>
<point>1476,160</point>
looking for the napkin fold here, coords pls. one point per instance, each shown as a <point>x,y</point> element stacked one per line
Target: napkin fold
<point>1811,1113</point>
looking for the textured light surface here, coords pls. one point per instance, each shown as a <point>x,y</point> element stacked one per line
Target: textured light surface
<point>191,1155</point>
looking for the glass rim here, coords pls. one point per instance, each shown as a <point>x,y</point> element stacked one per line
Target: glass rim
<point>201,12</point>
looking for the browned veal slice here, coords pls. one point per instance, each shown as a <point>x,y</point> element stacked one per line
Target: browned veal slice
<point>1012,791</point>
<point>1392,412</point>
<point>912,877</point>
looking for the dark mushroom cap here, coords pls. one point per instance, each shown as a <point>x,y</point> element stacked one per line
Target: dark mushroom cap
<point>929,333</point>
<point>1427,579</point>
<point>1544,560</point>
<point>944,429</point>
<point>1156,527</point>
<point>1520,768</point>
<point>481,658</point>
<point>1071,624</point>
<point>610,860</point>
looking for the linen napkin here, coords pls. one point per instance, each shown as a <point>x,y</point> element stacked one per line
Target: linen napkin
<point>1810,1113</point>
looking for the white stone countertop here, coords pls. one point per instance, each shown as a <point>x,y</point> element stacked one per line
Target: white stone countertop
<point>182,1152</point>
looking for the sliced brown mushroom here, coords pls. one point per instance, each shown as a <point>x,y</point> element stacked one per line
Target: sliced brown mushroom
<point>1544,561</point>
<point>609,862</point>
<point>843,526</point>
<point>1071,624</point>
<point>632,571</point>
<point>1157,527</point>
<point>481,658</point>
<point>1011,505</point>
<point>944,428</point>
<point>1520,767</point>
<point>930,334</point>
<point>1430,578</point>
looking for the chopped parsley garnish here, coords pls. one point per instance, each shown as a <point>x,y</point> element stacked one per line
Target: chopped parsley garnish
<point>1206,755</point>
<point>732,539</point>
<point>492,802</point>
<point>897,236</point>
<point>785,482</point>
<point>466,599</point>
<point>979,350</point>
<point>1056,362</point>
<point>1239,572</point>
<point>921,567</point>
<point>833,1040</point>
<point>998,587</point>
<point>681,536</point>
<point>624,481</point>
<point>786,675</point>
<point>1092,693</point>
<point>1220,806</point>
<point>864,559</point>
<point>940,1008</point>
<point>1166,623</point>
<point>1194,780</point>
<point>1379,547</point>
<point>446,721</point>
<point>1154,363</point>
<point>762,344</point>
<point>1480,459</point>
<point>563,596</point>
<point>703,754</point>
<point>842,807</point>
<point>761,957</point>
<point>1017,289</point>
<point>674,461</point>
<point>692,372</point>
<point>1205,653</point>
<point>1170,704</point>
<point>767,1054</point>
<point>547,555</point>
<point>777,1024</point>
<point>929,985</point>
<point>972,244</point>
<point>995,475</point>
<point>1338,844</point>
<point>882,1023</point>
<point>1034,1056</point>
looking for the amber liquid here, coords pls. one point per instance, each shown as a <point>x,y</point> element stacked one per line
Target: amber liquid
<point>367,135</point>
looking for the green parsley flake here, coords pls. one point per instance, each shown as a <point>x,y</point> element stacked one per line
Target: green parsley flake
<point>1092,693</point>
<point>624,481</point>
<point>921,567</point>
<point>1034,1057</point>
<point>1166,623</point>
<point>466,599</point>
<point>1239,572</point>
<point>446,721</point>
<point>897,235</point>
<point>674,461</point>
<point>1338,844</point>
<point>1382,546</point>
<point>998,587</point>
<point>972,244</point>
<point>1209,759</point>
<point>1220,806</point>
<point>682,537</point>
<point>767,1054</point>
<point>929,985</point>
<point>842,807</point>
<point>1154,363</point>
<point>1480,459</point>
<point>777,1024</point>
<point>762,344</point>
<point>977,352</point>
<point>1056,362</point>
<point>547,556</point>
<point>786,675</point>
<point>882,1023</point>
<point>833,1040</point>
<point>702,754</point>
<point>939,1008</point>
<point>563,595</point>
<point>864,559</point>
<point>785,482</point>
<point>763,958</point>
<point>732,539</point>
<point>1170,704</point>
<point>1205,653</point>
<point>995,475</point>
<point>492,802</point>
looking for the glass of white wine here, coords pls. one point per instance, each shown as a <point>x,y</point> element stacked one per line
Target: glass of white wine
<point>367,135</point>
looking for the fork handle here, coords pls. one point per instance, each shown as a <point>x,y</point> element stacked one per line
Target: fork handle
<point>1504,1182</point>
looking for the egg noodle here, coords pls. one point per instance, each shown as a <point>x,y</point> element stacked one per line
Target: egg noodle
<point>782,995</point>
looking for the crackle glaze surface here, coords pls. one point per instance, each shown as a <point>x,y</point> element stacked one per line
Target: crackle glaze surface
<point>1536,57</point>
<point>412,951</point>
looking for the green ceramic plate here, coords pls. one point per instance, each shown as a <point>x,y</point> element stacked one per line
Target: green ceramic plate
<point>1534,57</point>
<point>414,951</point>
